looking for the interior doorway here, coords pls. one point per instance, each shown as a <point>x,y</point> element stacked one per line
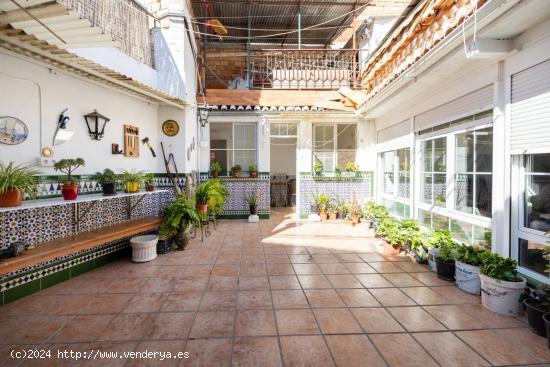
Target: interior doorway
<point>283,146</point>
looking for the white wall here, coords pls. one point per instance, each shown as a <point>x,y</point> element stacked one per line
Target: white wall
<point>21,80</point>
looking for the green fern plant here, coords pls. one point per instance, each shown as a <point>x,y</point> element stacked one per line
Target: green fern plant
<point>18,177</point>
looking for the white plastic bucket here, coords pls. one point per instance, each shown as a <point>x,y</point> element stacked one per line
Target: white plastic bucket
<point>433,252</point>
<point>467,277</point>
<point>500,296</point>
<point>144,248</point>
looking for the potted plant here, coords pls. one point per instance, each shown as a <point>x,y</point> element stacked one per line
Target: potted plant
<point>15,181</point>
<point>323,206</point>
<point>354,212</point>
<point>468,261</point>
<point>501,287</point>
<point>537,307</point>
<point>445,260</point>
<point>236,170</point>
<point>337,172</point>
<point>178,218</point>
<point>218,194</point>
<point>342,209</point>
<point>318,168</point>
<point>332,210</point>
<point>69,184</point>
<point>108,180</point>
<point>215,169</point>
<point>253,170</point>
<point>149,180</point>
<point>132,180</point>
<point>351,168</point>
<point>202,195</point>
<point>437,238</point>
<point>252,201</point>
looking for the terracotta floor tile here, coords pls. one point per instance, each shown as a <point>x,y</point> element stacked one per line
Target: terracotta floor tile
<point>255,323</point>
<point>213,324</point>
<point>412,267</point>
<point>344,281</point>
<point>84,328</point>
<point>145,302</point>
<point>196,283</point>
<point>307,269</point>
<point>256,351</point>
<point>333,269</point>
<point>223,300</point>
<point>125,285</point>
<point>403,280</point>
<point>391,297</point>
<point>289,299</point>
<point>359,268</point>
<point>253,270</point>
<point>415,319</point>
<point>106,303</point>
<point>336,321</point>
<point>409,353</point>
<point>385,267</point>
<point>296,322</point>
<point>253,283</point>
<point>323,298</point>
<point>373,281</point>
<point>429,279</point>
<point>314,281</point>
<point>171,326</point>
<point>354,351</point>
<point>277,259</point>
<point>425,296</point>
<point>221,283</point>
<point>398,258</point>
<point>208,353</point>
<point>162,346</point>
<point>349,258</point>
<point>254,299</point>
<point>156,285</point>
<point>305,351</point>
<point>280,269</point>
<point>358,298</point>
<point>325,259</point>
<point>225,270</point>
<point>489,318</point>
<point>284,282</point>
<point>507,346</point>
<point>376,320</point>
<point>178,302</point>
<point>456,295</point>
<point>454,318</point>
<point>125,327</point>
<point>31,329</point>
<point>53,350</point>
<point>103,347</point>
<point>448,350</point>
<point>371,257</point>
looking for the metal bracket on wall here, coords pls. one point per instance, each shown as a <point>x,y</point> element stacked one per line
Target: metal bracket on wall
<point>130,208</point>
<point>79,217</point>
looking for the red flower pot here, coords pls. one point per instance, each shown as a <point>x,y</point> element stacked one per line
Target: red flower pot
<point>69,192</point>
<point>253,174</point>
<point>11,198</point>
<point>203,208</point>
<point>214,174</point>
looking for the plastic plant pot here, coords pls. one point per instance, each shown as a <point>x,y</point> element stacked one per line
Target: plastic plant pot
<point>69,192</point>
<point>501,296</point>
<point>445,269</point>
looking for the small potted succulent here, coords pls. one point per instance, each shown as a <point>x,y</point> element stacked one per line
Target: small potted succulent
<point>215,169</point>
<point>15,181</point>
<point>468,261</point>
<point>132,180</point>
<point>253,170</point>
<point>323,206</point>
<point>149,180</point>
<point>108,180</point>
<point>318,168</point>
<point>236,170</point>
<point>202,195</point>
<point>445,261</point>
<point>69,184</point>
<point>501,286</point>
<point>252,201</point>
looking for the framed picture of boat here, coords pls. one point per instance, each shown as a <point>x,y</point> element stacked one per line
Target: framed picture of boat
<point>12,130</point>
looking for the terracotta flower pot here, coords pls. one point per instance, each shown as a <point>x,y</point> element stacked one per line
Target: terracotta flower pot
<point>214,174</point>
<point>390,250</point>
<point>253,174</point>
<point>332,215</point>
<point>237,173</point>
<point>203,208</point>
<point>355,219</point>
<point>69,192</point>
<point>11,197</point>
<point>324,216</point>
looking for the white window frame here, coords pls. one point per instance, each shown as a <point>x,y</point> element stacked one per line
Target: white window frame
<point>393,196</point>
<point>335,150</point>
<point>232,149</point>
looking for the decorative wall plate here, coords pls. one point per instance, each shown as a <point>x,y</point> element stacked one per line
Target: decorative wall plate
<point>170,128</point>
<point>12,130</point>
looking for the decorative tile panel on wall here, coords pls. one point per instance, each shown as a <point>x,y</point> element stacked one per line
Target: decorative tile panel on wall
<point>337,188</point>
<point>239,187</point>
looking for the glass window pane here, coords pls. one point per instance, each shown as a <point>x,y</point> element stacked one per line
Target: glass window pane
<point>440,222</point>
<point>440,189</point>
<point>427,155</point>
<point>224,157</point>
<point>245,137</point>
<point>403,185</point>
<point>465,152</point>
<point>326,158</point>
<point>344,157</point>
<point>245,158</point>
<point>539,163</point>
<point>482,237</point>
<point>531,256</point>
<point>461,231</point>
<point>426,188</point>
<point>484,150</point>
<point>425,218</point>
<point>440,155</point>
<point>484,192</point>
<point>221,136</point>
<point>464,192</point>
<point>537,202</point>
<point>324,137</point>
<point>403,156</point>
<point>347,136</point>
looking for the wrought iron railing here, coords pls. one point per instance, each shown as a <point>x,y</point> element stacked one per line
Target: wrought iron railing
<point>127,22</point>
<point>304,69</point>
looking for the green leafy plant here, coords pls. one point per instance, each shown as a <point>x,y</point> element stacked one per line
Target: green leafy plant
<point>131,176</point>
<point>18,177</point>
<point>236,168</point>
<point>470,255</point>
<point>337,172</point>
<point>252,168</point>
<point>440,237</point>
<point>498,267</point>
<point>252,198</point>
<point>323,203</point>
<point>177,219</point>
<point>318,167</point>
<point>342,208</point>
<point>68,166</point>
<point>218,195</point>
<point>448,251</point>
<point>351,167</point>
<point>202,193</point>
<point>375,211</point>
<point>149,180</point>
<point>106,177</point>
<point>315,201</point>
<point>216,167</point>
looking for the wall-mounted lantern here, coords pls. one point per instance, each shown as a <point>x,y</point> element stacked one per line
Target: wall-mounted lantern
<point>96,124</point>
<point>202,113</point>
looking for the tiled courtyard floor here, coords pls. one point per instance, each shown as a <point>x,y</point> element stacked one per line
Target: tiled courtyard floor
<point>269,294</point>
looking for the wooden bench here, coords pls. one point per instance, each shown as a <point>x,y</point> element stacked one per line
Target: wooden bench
<point>69,245</point>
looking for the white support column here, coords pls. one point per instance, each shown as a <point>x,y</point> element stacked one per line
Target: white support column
<point>263,136</point>
<point>501,169</point>
<point>303,156</point>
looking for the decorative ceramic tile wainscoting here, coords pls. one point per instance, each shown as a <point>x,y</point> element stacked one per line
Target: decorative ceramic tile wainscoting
<point>337,188</point>
<point>236,206</point>
<point>44,220</point>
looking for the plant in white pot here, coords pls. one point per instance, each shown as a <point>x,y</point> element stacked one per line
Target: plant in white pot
<point>501,287</point>
<point>468,261</point>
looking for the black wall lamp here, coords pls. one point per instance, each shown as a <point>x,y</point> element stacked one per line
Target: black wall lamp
<point>202,112</point>
<point>96,124</point>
